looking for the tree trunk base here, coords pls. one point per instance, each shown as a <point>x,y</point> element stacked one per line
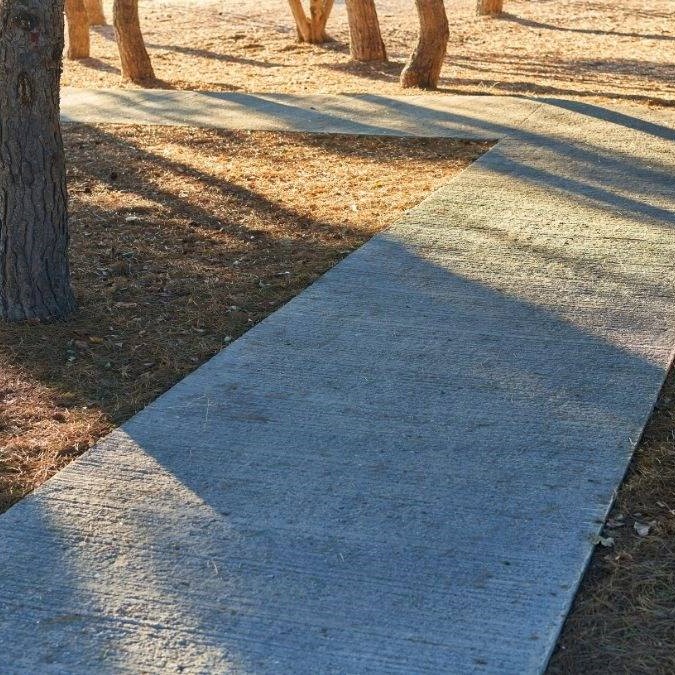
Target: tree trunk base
<point>312,29</point>
<point>414,78</point>
<point>365,39</point>
<point>424,67</point>
<point>34,269</point>
<point>136,64</point>
<point>315,39</point>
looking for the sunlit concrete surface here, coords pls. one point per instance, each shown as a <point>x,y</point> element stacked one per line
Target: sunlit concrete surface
<point>404,468</point>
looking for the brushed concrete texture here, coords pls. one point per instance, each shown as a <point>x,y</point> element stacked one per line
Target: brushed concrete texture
<point>404,468</point>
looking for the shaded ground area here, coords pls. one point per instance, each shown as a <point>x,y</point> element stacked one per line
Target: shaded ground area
<point>183,239</point>
<point>596,49</point>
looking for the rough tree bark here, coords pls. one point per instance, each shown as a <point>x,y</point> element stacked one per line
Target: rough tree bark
<point>95,12</point>
<point>365,39</point>
<point>78,29</point>
<point>34,272</point>
<point>424,67</point>
<point>489,7</point>
<point>311,29</point>
<point>136,65</point>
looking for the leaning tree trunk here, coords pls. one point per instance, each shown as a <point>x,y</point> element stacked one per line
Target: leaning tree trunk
<point>424,67</point>
<point>489,7</point>
<point>95,12</point>
<point>78,29</point>
<point>136,65</point>
<point>311,29</point>
<point>34,273</point>
<point>365,39</point>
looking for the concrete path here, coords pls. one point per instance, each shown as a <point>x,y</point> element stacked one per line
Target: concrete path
<point>404,468</point>
<point>470,117</point>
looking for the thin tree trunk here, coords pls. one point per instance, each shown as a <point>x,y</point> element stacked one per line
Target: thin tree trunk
<point>311,29</point>
<point>319,11</point>
<point>301,21</point>
<point>136,65</point>
<point>424,67</point>
<point>34,272</point>
<point>489,7</point>
<point>95,12</point>
<point>78,29</point>
<point>365,39</point>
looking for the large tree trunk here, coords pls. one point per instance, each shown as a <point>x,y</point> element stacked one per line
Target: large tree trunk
<point>78,29</point>
<point>136,64</point>
<point>311,29</point>
<point>424,67</point>
<point>489,7</point>
<point>34,273</point>
<point>365,39</point>
<point>95,12</point>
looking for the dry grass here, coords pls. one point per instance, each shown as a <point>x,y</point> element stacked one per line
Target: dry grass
<point>182,240</point>
<point>595,49</point>
<point>623,620</point>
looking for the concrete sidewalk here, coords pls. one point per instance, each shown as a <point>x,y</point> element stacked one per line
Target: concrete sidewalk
<point>404,468</point>
<point>425,115</point>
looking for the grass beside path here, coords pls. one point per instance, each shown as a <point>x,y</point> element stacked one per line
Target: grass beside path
<point>623,619</point>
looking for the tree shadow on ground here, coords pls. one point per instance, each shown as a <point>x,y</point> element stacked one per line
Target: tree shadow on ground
<point>315,440</point>
<point>98,64</point>
<point>564,69</point>
<point>107,32</point>
<point>381,71</point>
<point>334,45</point>
<point>490,86</point>
<point>486,87</point>
<point>593,162</point>
<point>167,229</point>
<point>614,116</point>
<point>578,77</point>
<point>530,23</point>
<point>168,260</point>
<point>207,54</point>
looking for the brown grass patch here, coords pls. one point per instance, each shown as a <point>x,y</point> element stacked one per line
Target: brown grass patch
<point>182,240</point>
<point>623,619</point>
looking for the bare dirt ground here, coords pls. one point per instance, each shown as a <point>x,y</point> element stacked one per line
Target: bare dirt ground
<point>596,49</point>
